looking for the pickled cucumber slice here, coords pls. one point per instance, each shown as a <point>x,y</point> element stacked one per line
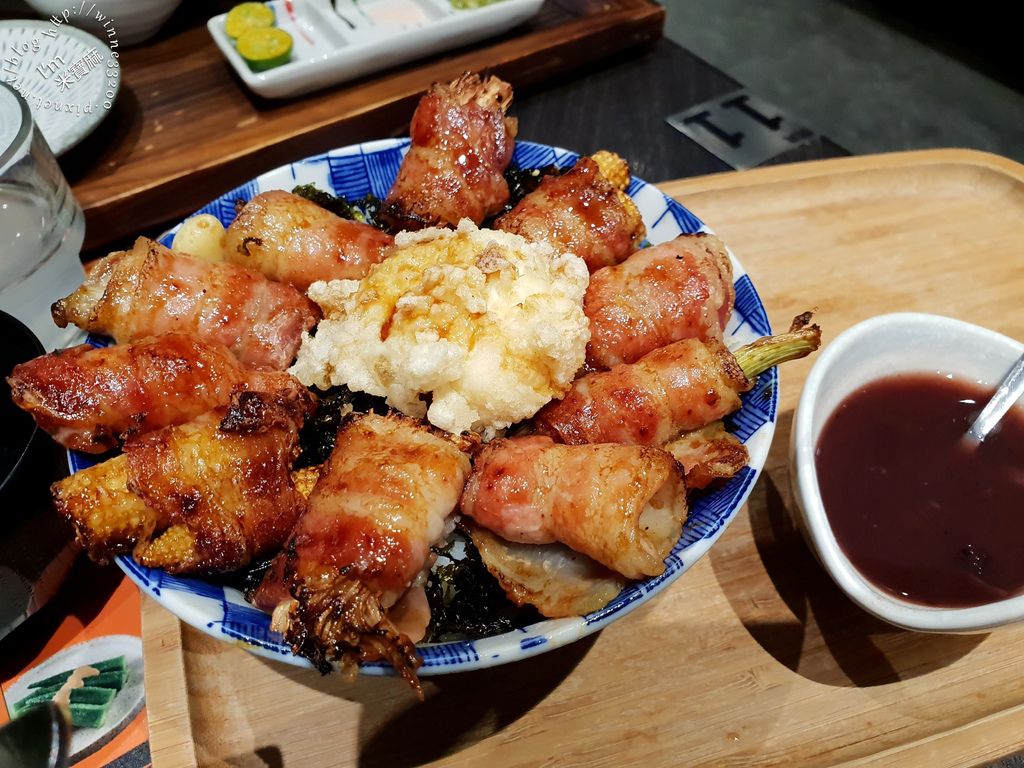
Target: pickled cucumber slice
<point>85,695</point>
<point>246,16</point>
<point>265,48</point>
<point>83,714</point>
<point>88,715</point>
<point>88,703</point>
<point>115,664</point>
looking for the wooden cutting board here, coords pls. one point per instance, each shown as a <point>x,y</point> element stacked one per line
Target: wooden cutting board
<point>754,657</point>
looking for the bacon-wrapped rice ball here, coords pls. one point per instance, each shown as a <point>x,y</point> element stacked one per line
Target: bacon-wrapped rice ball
<point>579,212</point>
<point>289,238</point>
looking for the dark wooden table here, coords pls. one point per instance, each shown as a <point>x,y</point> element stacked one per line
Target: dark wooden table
<point>622,105</point>
<point>588,74</point>
<point>184,128</point>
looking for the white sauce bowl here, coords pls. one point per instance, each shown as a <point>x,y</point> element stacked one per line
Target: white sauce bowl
<point>128,21</point>
<point>871,350</point>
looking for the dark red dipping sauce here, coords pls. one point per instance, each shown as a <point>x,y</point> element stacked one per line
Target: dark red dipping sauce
<point>918,511</point>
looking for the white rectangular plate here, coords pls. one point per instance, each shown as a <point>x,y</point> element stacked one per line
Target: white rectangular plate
<point>333,44</point>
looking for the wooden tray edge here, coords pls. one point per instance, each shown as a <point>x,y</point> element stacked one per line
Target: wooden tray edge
<point>842,165</point>
<point>970,744</point>
<point>170,723</point>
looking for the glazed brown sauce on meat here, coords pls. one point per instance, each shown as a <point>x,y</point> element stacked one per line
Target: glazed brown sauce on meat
<point>917,510</point>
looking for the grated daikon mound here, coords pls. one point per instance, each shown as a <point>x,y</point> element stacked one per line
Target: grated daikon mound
<point>481,325</point>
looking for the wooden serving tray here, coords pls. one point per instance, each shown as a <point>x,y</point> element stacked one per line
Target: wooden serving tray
<point>184,129</point>
<point>754,657</point>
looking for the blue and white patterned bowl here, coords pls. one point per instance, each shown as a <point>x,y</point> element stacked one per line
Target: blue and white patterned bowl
<point>369,169</point>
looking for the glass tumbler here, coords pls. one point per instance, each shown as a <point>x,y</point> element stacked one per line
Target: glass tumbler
<point>41,225</point>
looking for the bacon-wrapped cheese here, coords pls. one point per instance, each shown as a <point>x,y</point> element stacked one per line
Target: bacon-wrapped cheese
<point>461,144</point>
<point>579,212</point>
<point>622,505</point>
<point>677,290</point>
<point>151,290</point>
<point>291,239</point>
<point>204,497</point>
<point>385,496</point>
<point>89,399</point>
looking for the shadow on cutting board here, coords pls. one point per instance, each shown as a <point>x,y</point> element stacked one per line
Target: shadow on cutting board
<point>393,729</point>
<point>801,617</point>
<point>464,708</point>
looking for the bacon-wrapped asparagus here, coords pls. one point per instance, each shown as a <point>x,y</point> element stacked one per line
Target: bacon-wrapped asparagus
<point>385,496</point>
<point>89,399</point>
<point>684,386</point>
<point>151,290</point>
<point>291,239</point>
<point>677,290</point>
<point>203,497</point>
<point>622,505</point>
<point>461,144</point>
<point>580,212</point>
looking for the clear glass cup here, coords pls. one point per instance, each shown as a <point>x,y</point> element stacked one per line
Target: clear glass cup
<point>41,225</point>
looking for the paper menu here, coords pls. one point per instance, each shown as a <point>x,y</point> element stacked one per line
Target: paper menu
<point>96,614</point>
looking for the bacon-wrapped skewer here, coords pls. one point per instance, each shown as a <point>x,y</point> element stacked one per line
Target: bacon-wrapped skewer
<point>622,505</point>
<point>461,144</point>
<point>385,496</point>
<point>581,212</point>
<point>684,386</point>
<point>151,290</point>
<point>559,581</point>
<point>677,290</point>
<point>289,238</point>
<point>90,399</point>
<point>204,497</point>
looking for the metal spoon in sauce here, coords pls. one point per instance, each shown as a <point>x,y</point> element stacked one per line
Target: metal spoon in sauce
<point>1009,392</point>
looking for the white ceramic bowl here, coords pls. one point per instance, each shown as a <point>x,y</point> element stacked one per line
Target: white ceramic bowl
<point>127,21</point>
<point>873,349</point>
